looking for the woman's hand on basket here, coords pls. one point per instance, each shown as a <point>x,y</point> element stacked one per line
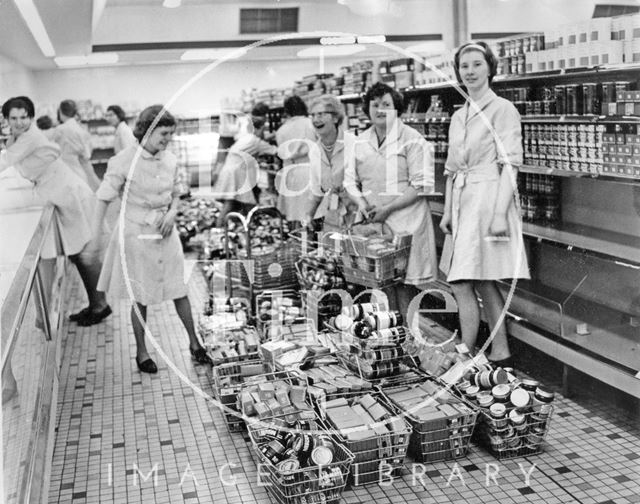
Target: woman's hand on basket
<point>167,222</point>
<point>380,213</point>
<point>445,223</point>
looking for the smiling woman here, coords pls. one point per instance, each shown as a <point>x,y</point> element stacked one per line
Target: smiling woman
<point>147,179</point>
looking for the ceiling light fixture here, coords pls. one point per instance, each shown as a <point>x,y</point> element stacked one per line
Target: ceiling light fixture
<point>331,41</point>
<point>91,59</point>
<point>371,39</point>
<point>211,54</point>
<point>30,14</point>
<point>171,4</point>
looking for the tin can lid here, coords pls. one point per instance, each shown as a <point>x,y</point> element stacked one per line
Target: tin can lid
<point>498,409</point>
<point>519,398</point>
<point>516,417</point>
<point>321,455</point>
<point>472,391</point>
<point>501,390</point>
<point>530,384</point>
<point>288,465</point>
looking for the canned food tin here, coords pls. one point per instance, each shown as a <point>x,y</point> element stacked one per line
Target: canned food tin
<point>520,398</point>
<point>501,393</point>
<point>544,395</point>
<point>529,384</point>
<point>288,465</point>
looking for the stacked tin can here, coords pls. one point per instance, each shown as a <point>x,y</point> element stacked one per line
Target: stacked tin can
<point>514,414</point>
<point>539,198</point>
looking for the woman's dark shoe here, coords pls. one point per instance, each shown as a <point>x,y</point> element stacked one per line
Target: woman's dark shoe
<point>148,366</point>
<point>200,356</point>
<point>503,363</point>
<point>74,317</point>
<point>95,317</point>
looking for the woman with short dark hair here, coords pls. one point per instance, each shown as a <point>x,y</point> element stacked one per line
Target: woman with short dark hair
<point>38,159</point>
<point>388,178</point>
<point>481,218</point>
<point>146,176</point>
<point>123,136</point>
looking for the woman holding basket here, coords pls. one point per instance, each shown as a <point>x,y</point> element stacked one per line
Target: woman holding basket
<point>388,178</point>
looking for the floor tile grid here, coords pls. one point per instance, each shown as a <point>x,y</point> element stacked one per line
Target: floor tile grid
<point>140,437</point>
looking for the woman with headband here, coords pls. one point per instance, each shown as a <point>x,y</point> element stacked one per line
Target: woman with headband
<point>481,217</point>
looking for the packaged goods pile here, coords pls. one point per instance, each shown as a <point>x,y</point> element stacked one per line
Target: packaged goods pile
<point>195,215</point>
<point>369,428</point>
<point>227,380</point>
<point>303,464</point>
<point>442,423</point>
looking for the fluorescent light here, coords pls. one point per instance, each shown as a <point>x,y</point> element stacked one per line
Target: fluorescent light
<point>91,59</point>
<point>31,16</point>
<point>171,4</point>
<point>330,41</point>
<point>371,39</point>
<point>210,54</point>
<point>328,51</point>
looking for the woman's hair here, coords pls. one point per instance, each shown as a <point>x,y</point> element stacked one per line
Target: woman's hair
<point>331,104</point>
<point>117,110</point>
<point>44,122</point>
<point>295,106</point>
<point>148,116</point>
<point>68,108</point>
<point>482,47</point>
<point>19,102</point>
<point>260,109</point>
<point>378,90</point>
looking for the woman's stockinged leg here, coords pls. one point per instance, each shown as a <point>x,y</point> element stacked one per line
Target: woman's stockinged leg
<point>183,307</point>
<point>493,304</point>
<point>468,311</point>
<point>90,273</point>
<point>139,324</point>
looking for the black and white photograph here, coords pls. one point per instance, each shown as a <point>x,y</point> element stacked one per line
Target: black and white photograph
<point>320,251</point>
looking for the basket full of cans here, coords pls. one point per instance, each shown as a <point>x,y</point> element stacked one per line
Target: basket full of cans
<point>442,423</point>
<point>514,415</point>
<point>264,259</point>
<point>373,340</point>
<point>371,429</point>
<point>302,463</point>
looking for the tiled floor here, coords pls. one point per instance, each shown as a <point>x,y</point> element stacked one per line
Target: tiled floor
<point>116,425</point>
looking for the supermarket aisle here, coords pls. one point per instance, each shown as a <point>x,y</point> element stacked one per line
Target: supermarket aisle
<point>116,425</point>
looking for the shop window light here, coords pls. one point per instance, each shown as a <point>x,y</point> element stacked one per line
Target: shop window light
<point>171,4</point>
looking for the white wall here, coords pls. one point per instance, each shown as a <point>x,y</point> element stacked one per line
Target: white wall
<point>15,79</point>
<point>140,86</point>
<point>221,21</point>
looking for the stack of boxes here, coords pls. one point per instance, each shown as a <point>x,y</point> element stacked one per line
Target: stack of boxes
<point>377,438</point>
<point>357,77</point>
<point>397,73</point>
<point>442,423</point>
<point>621,148</point>
<point>515,53</point>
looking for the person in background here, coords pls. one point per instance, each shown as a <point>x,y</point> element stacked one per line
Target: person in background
<point>388,177</point>
<point>75,143</point>
<point>236,184</point>
<point>481,218</point>
<point>123,137</point>
<point>151,247</point>
<point>45,124</point>
<point>38,160</point>
<point>293,148</point>
<point>327,198</point>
